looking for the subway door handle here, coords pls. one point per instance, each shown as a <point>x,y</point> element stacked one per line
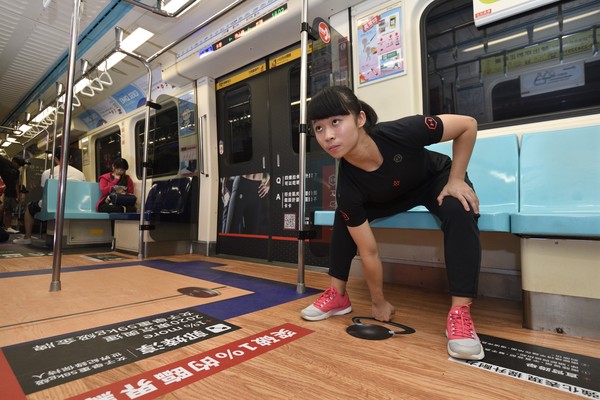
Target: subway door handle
<point>203,153</point>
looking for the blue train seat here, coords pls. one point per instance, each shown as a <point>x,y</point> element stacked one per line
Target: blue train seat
<point>80,201</point>
<point>493,169</point>
<point>83,224</point>
<point>174,197</point>
<point>559,226</point>
<point>560,184</point>
<point>167,200</point>
<point>171,210</point>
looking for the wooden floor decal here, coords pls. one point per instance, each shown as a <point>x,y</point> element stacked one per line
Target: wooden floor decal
<point>96,321</point>
<point>50,362</point>
<point>168,378</point>
<point>89,297</point>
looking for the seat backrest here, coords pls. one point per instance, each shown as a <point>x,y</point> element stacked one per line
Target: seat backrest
<point>79,196</point>
<point>494,171</point>
<point>176,196</point>
<point>153,200</point>
<point>170,196</point>
<point>560,171</point>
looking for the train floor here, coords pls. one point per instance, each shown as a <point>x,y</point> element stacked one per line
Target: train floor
<point>193,327</point>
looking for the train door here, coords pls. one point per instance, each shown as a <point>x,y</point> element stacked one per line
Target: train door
<point>284,84</point>
<point>258,117</point>
<point>244,162</point>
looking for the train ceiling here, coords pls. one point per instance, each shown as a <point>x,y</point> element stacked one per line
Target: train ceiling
<point>35,38</point>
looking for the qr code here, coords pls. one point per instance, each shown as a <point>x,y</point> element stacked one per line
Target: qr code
<point>289,221</point>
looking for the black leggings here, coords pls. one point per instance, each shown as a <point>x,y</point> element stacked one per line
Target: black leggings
<point>462,247</point>
<point>244,209</point>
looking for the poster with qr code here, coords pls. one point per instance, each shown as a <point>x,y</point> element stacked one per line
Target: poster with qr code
<point>289,221</point>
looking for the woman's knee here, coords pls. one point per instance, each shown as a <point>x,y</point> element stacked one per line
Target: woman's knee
<point>452,209</point>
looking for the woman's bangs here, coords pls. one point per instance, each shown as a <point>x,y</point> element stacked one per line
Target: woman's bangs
<point>325,106</point>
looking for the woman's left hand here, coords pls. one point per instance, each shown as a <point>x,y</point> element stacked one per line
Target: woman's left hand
<point>383,311</point>
<point>463,192</point>
<point>263,190</point>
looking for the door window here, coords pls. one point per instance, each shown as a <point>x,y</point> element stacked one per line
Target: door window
<point>163,142</point>
<point>238,125</point>
<point>108,148</point>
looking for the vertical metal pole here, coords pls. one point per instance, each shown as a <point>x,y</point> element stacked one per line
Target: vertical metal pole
<point>58,91</point>
<point>40,108</point>
<point>119,34</point>
<point>300,287</point>
<point>141,243</point>
<point>143,226</point>
<point>62,181</point>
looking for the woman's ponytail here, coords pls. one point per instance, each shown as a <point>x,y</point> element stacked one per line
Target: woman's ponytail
<point>370,114</point>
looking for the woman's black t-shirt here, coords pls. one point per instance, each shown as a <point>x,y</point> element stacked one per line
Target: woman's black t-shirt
<point>407,167</point>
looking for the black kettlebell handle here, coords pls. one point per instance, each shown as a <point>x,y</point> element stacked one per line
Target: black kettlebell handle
<point>406,329</point>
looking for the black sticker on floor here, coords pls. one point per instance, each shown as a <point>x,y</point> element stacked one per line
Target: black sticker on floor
<point>15,251</point>
<point>105,257</point>
<point>45,363</point>
<point>561,370</point>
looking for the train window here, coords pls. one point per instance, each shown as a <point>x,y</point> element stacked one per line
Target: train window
<point>108,148</point>
<point>163,142</point>
<point>238,135</point>
<point>539,64</point>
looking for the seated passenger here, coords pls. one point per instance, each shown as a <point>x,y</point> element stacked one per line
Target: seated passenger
<point>73,174</point>
<point>115,182</point>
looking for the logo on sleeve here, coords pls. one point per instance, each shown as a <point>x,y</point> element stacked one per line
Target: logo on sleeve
<point>396,183</point>
<point>344,215</point>
<point>431,123</point>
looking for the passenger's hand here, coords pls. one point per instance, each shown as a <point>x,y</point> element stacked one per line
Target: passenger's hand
<point>263,189</point>
<point>383,311</point>
<point>461,191</point>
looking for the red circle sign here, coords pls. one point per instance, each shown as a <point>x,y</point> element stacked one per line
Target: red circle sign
<point>324,32</point>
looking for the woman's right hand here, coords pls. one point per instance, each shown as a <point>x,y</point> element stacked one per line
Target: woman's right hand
<point>383,311</point>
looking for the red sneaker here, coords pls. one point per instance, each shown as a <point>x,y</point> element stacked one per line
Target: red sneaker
<point>330,303</point>
<point>463,341</point>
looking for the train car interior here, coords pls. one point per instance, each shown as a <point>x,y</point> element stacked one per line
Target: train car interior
<point>170,222</point>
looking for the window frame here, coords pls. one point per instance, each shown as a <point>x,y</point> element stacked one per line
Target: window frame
<point>168,106</point>
<point>425,71</point>
<point>229,140</point>
<point>114,130</point>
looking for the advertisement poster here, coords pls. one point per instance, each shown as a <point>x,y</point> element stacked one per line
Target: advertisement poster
<point>487,11</point>
<point>127,99</point>
<point>186,115</point>
<point>552,79</point>
<point>380,44</point>
<point>245,203</point>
